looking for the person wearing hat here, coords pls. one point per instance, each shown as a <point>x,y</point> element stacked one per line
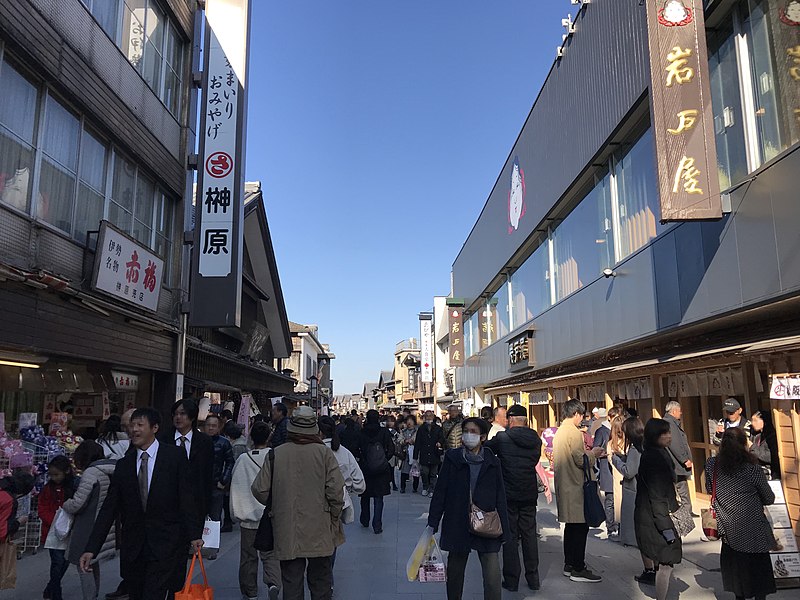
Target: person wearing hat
<point>600,417</point>
<point>731,417</point>
<point>307,505</point>
<point>519,449</point>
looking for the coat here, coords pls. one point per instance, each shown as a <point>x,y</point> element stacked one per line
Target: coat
<point>568,451</point>
<point>679,447</point>
<point>450,502</point>
<point>425,450</point>
<point>628,467</point>
<point>655,500</point>
<point>307,501</point>
<point>223,461</point>
<point>605,478</point>
<point>201,465</point>
<point>378,485</point>
<point>168,523</point>
<point>85,506</point>
<point>354,482</point>
<point>51,498</point>
<point>115,450</point>
<point>244,507</point>
<point>519,450</point>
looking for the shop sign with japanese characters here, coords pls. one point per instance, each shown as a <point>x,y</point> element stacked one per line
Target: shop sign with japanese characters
<point>426,350</point>
<point>127,270</point>
<point>455,322</point>
<point>785,388</point>
<point>125,382</point>
<point>683,123</point>
<point>520,352</point>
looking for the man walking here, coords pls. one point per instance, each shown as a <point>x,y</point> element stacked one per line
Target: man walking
<point>519,450</point>
<point>605,476</point>
<point>680,452</point>
<point>199,449</point>
<point>427,452</point>
<point>307,501</point>
<point>452,427</point>
<point>221,471</point>
<point>280,421</point>
<point>151,493</point>
<point>248,511</point>
<point>569,451</point>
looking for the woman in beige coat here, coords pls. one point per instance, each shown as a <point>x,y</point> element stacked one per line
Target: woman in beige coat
<point>306,507</point>
<point>569,452</point>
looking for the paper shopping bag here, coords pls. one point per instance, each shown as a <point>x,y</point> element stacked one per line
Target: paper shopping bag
<point>196,591</point>
<point>211,534</point>
<point>8,565</point>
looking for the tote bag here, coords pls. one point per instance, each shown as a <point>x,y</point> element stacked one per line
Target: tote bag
<point>196,591</point>
<point>708,516</point>
<point>593,511</point>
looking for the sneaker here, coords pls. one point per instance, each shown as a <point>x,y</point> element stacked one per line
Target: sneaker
<point>585,576</point>
<point>535,586</point>
<point>567,570</point>
<point>272,592</point>
<point>648,577</point>
<point>424,492</point>
<point>613,536</point>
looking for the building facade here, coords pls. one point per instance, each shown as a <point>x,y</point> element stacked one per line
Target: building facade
<point>571,285</point>
<point>310,359</point>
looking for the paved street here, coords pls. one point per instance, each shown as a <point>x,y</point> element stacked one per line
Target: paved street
<point>372,567</point>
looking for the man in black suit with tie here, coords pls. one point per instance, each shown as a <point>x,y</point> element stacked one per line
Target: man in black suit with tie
<point>151,492</point>
<point>198,447</point>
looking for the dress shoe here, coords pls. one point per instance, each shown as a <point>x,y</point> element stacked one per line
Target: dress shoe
<point>509,587</point>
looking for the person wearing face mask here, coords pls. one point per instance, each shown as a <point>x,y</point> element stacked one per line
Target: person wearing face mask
<point>471,476</point>
<point>427,451</point>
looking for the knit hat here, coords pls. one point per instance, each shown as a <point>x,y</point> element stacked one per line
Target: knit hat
<point>303,421</point>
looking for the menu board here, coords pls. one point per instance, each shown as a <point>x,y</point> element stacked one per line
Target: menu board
<point>785,556</point>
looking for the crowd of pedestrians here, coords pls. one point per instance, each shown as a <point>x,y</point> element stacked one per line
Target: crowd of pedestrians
<point>145,492</point>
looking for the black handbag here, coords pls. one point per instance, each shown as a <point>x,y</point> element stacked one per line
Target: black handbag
<point>593,511</point>
<point>265,536</point>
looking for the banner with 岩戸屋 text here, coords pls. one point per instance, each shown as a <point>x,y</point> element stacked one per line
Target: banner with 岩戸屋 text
<point>455,323</point>
<point>680,102</point>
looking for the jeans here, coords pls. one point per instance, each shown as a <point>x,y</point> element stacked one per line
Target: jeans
<point>575,545</point>
<point>404,480</point>
<point>429,475</point>
<point>248,565</point>
<point>608,505</point>
<point>522,522</point>
<point>682,487</point>
<point>317,572</point>
<point>58,567</point>
<point>490,566</point>
<point>216,504</point>
<point>377,518</point>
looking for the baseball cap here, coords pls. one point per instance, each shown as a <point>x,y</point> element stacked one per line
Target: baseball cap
<point>731,405</point>
<point>516,410</point>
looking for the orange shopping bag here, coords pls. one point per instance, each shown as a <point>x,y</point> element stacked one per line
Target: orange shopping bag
<point>196,591</point>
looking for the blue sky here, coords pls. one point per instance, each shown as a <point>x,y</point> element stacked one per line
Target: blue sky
<point>377,129</point>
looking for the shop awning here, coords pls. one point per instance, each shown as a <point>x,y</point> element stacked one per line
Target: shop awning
<point>784,344</point>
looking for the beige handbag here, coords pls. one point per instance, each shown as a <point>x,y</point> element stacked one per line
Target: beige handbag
<point>484,523</point>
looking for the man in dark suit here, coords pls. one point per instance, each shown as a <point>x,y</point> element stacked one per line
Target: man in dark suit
<point>199,450</point>
<point>151,492</point>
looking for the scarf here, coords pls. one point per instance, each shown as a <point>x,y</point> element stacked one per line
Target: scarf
<point>475,462</point>
<point>302,439</point>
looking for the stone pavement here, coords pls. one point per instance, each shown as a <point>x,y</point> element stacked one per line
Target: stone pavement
<point>372,567</point>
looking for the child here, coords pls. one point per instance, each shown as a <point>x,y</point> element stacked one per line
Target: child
<point>11,488</point>
<point>59,488</point>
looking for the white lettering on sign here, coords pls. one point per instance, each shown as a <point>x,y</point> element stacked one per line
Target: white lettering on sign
<point>215,200</point>
<point>126,269</point>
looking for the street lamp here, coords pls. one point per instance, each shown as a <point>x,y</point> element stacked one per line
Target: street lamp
<point>314,390</point>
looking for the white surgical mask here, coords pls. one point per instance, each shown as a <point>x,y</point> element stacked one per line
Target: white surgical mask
<point>471,440</point>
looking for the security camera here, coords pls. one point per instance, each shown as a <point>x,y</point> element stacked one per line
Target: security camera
<point>609,273</point>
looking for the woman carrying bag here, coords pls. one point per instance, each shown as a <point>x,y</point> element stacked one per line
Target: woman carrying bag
<point>741,491</point>
<point>470,502</point>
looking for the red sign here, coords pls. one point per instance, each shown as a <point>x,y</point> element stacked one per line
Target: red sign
<point>219,165</point>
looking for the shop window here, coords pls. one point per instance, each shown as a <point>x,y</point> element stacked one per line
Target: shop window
<point>637,201</point>
<point>773,41</point>
<point>58,176</point>
<point>530,286</point>
<point>499,315</point>
<point>18,105</point>
<point>583,242</point>
<point>727,106</point>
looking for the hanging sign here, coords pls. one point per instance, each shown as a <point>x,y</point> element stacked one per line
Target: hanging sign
<point>243,419</point>
<point>456,329</point>
<point>784,556</point>
<point>219,210</point>
<point>426,348</point>
<point>520,352</point>
<point>680,102</point>
<point>785,388</point>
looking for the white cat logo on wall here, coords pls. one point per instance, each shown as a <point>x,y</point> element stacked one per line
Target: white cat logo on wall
<point>675,14</point>
<point>791,13</point>
<point>516,197</point>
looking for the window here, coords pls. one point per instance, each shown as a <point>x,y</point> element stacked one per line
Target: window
<point>148,40</point>
<point>91,185</point>
<point>582,243</point>
<point>58,175</point>
<point>637,201</point>
<point>120,210</point>
<point>18,103</point>
<point>530,286</point>
<point>472,339</point>
<point>498,314</point>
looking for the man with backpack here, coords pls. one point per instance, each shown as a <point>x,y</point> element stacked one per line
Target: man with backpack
<point>375,449</point>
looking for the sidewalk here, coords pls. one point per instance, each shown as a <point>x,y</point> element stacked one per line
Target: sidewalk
<point>372,567</point>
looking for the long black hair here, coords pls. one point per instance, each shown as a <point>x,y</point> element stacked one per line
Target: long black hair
<point>63,464</point>
<point>633,430</point>
<point>770,436</point>
<point>111,429</point>
<point>87,453</point>
<point>327,427</point>
<point>733,453</point>
<point>653,430</point>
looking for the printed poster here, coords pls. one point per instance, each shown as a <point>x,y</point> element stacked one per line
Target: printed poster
<point>785,566</point>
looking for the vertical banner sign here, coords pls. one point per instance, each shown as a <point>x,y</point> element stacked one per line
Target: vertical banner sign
<point>456,329</point>
<point>219,211</point>
<point>426,348</point>
<point>680,102</point>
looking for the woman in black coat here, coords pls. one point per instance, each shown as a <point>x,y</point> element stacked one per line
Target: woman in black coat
<point>656,498</point>
<point>474,469</point>
<point>376,468</point>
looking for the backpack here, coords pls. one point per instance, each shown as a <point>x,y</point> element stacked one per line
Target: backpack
<point>375,461</point>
